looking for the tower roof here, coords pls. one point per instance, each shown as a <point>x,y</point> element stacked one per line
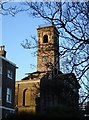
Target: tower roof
<point>47,25</point>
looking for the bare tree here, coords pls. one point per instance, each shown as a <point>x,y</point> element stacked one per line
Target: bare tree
<point>11,8</point>
<point>72,21</point>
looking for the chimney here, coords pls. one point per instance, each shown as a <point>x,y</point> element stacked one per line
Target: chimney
<point>2,51</point>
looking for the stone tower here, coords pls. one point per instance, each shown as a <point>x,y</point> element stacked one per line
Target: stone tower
<point>48,49</point>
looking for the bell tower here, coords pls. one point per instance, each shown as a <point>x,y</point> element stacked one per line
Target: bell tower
<point>48,49</point>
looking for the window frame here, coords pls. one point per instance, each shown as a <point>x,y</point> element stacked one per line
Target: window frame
<point>9,95</point>
<point>1,70</point>
<point>0,93</point>
<point>9,74</point>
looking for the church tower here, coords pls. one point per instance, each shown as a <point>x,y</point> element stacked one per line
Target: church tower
<point>48,49</point>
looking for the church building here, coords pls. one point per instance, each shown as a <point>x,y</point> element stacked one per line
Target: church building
<point>32,92</point>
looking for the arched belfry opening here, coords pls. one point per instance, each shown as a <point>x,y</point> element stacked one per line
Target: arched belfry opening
<point>45,39</point>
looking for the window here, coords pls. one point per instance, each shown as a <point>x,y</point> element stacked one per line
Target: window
<point>9,95</point>
<point>24,97</point>
<point>45,39</point>
<point>0,70</point>
<point>44,58</point>
<point>0,93</point>
<point>9,74</point>
<point>27,97</point>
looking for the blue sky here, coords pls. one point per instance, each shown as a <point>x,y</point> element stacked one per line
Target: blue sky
<point>14,31</point>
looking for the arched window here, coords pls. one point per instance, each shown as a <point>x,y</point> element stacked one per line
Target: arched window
<point>45,39</point>
<point>26,97</point>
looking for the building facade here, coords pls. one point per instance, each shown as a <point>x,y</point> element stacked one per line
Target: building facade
<point>7,84</point>
<point>31,93</point>
<point>26,93</point>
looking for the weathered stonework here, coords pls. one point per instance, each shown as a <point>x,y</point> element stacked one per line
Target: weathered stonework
<point>27,92</point>
<point>48,46</point>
